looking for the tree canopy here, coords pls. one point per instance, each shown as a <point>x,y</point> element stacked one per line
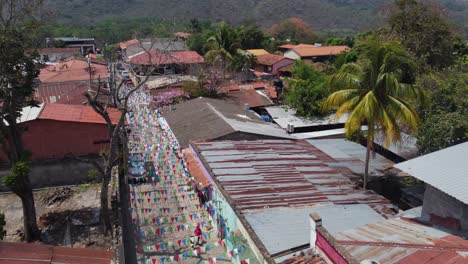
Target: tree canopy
<point>445,120</point>
<point>306,90</point>
<point>424,30</point>
<point>374,91</point>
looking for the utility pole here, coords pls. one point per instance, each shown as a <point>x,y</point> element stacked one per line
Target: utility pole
<point>90,73</point>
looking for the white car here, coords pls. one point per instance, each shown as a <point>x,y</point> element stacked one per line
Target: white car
<point>125,74</point>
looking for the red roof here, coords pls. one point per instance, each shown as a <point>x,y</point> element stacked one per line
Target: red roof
<point>270,59</point>
<point>72,70</point>
<point>251,97</point>
<point>258,85</point>
<point>76,113</point>
<point>174,57</point>
<point>287,46</point>
<point>195,169</point>
<point>19,253</point>
<point>128,43</point>
<point>313,51</point>
<point>47,51</point>
<point>60,92</point>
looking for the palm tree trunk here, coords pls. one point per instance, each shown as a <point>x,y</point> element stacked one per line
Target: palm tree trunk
<point>366,169</point>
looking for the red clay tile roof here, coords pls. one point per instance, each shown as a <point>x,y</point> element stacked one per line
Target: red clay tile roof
<point>72,70</point>
<point>195,169</point>
<point>270,59</point>
<point>257,85</point>
<point>19,253</point>
<point>128,43</point>
<point>172,57</point>
<point>76,113</point>
<point>47,51</point>
<point>320,51</point>
<point>287,46</point>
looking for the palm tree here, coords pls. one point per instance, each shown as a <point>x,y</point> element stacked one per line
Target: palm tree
<point>375,91</point>
<point>222,46</point>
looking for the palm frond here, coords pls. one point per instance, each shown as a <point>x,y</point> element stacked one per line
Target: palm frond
<point>337,98</point>
<point>402,112</point>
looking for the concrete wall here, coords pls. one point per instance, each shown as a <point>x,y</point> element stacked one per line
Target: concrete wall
<point>50,139</point>
<point>55,173</point>
<point>445,210</point>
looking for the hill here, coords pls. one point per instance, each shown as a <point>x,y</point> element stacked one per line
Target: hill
<point>324,15</point>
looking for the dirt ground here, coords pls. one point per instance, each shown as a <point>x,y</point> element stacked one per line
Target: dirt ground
<point>67,216</point>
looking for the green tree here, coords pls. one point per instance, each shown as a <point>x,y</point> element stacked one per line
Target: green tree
<point>424,30</point>
<point>306,90</point>
<point>250,36</point>
<point>374,92</point>
<point>18,70</point>
<point>222,47</point>
<point>445,120</point>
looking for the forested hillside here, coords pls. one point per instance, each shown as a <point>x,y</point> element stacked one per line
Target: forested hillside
<point>323,15</point>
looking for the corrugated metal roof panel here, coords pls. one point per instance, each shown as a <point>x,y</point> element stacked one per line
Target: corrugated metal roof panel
<point>284,228</point>
<point>31,253</point>
<point>30,113</point>
<point>445,169</point>
<point>352,155</point>
<point>76,113</point>
<point>281,173</point>
<point>402,240</point>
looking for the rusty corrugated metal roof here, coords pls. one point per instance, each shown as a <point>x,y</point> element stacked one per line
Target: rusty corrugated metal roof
<point>265,173</point>
<point>403,240</point>
<point>18,253</point>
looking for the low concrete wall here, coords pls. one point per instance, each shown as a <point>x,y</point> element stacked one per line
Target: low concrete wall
<point>445,210</point>
<point>55,173</point>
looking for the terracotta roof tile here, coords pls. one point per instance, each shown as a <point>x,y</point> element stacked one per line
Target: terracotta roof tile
<point>270,59</point>
<point>313,51</point>
<point>72,70</point>
<point>172,57</point>
<point>76,113</point>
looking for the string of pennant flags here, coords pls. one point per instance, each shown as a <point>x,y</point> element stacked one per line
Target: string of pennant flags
<point>168,219</point>
<point>196,252</point>
<point>156,160</point>
<point>161,246</point>
<point>174,228</point>
<point>165,209</point>
<point>159,200</point>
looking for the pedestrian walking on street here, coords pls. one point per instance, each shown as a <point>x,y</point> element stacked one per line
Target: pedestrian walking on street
<point>199,234</point>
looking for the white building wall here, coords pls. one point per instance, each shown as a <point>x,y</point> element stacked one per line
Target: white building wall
<point>292,55</point>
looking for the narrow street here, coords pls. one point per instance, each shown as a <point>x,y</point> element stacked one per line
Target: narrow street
<point>164,206</point>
